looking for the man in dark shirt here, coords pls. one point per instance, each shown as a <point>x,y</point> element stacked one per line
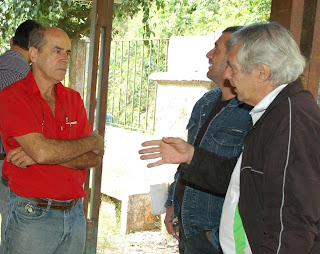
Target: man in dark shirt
<point>219,124</point>
<point>14,65</point>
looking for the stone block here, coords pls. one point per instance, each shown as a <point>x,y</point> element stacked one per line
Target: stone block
<point>136,214</point>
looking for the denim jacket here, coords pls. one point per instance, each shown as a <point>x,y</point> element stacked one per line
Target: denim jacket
<point>225,134</point>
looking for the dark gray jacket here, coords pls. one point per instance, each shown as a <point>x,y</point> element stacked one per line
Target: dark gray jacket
<point>280,175</point>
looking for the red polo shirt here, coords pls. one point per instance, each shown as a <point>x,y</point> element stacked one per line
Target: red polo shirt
<point>22,111</point>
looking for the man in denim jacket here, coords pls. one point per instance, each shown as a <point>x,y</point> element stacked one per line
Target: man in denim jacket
<point>218,123</point>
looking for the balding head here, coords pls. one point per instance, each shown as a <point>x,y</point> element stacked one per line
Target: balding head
<point>39,37</point>
<point>49,51</point>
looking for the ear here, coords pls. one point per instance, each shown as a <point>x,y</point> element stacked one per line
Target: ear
<point>263,72</point>
<point>33,54</point>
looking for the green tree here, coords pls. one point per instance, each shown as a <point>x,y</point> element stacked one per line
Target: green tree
<point>192,17</point>
<point>135,18</point>
<point>129,8</point>
<point>72,16</point>
<point>243,12</point>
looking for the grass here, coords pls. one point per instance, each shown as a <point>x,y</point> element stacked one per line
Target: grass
<point>111,241</point>
<point>109,223</point>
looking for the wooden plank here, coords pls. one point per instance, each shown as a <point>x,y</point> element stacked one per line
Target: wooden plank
<point>310,46</point>
<point>281,11</point>
<point>91,241</point>
<point>104,29</point>
<point>92,79</point>
<point>301,17</point>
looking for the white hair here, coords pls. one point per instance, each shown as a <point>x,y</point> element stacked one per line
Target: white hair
<point>270,44</point>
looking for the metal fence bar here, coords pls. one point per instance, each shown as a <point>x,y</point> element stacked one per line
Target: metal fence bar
<point>114,76</point>
<point>141,81</point>
<point>158,55</point>
<point>166,55</point>
<point>119,103</point>
<point>134,81</point>
<point>131,63</point>
<point>148,85</point>
<point>127,85</point>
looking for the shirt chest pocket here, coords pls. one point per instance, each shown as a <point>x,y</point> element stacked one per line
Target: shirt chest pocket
<point>67,129</point>
<point>224,141</point>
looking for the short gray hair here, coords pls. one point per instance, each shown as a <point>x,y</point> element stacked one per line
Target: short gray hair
<point>270,44</point>
<point>37,38</point>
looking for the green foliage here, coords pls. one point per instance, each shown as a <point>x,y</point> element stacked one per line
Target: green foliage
<point>131,94</point>
<point>70,15</point>
<point>135,18</point>
<point>132,108</point>
<point>243,12</point>
<point>186,17</point>
<point>129,8</point>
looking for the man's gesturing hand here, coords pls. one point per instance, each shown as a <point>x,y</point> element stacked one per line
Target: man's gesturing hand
<point>170,150</point>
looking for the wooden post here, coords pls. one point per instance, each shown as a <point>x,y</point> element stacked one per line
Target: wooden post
<point>77,66</point>
<point>100,31</point>
<point>302,18</point>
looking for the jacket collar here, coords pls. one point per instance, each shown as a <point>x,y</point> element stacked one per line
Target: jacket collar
<point>291,89</point>
<point>212,96</point>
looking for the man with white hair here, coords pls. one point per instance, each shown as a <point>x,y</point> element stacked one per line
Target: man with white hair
<point>272,203</point>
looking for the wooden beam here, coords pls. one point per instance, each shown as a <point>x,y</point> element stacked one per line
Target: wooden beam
<point>101,33</point>
<point>310,45</point>
<point>302,18</point>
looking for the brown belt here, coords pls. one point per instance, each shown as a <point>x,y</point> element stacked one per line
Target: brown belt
<point>2,156</point>
<point>43,203</point>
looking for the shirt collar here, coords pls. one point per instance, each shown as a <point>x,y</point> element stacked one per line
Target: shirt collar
<point>60,89</point>
<point>34,89</point>
<point>29,80</point>
<point>261,107</point>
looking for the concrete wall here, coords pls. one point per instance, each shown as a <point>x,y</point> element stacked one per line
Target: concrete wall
<point>123,172</point>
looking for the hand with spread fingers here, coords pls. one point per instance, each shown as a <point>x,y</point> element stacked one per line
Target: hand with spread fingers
<point>170,150</point>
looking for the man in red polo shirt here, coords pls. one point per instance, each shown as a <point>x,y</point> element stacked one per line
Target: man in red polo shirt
<point>49,143</point>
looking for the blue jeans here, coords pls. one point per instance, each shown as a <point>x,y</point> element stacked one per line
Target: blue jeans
<point>4,203</point>
<point>33,230</point>
<point>196,244</point>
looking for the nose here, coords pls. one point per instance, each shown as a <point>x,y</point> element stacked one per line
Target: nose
<point>228,73</point>
<point>209,54</point>
<point>65,57</point>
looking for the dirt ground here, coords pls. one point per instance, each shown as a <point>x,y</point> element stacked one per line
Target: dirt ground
<point>148,242</point>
